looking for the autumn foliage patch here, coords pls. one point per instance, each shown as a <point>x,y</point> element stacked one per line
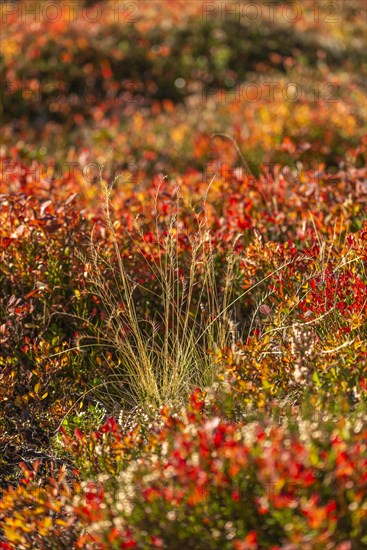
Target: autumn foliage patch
<point>183,289</point>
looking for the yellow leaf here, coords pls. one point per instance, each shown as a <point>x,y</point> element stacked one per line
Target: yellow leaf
<point>61,522</point>
<point>47,522</point>
<point>37,387</point>
<point>44,395</point>
<point>12,534</point>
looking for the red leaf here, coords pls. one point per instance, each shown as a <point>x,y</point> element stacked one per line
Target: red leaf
<point>265,310</point>
<point>78,433</point>
<point>31,293</point>
<point>5,242</point>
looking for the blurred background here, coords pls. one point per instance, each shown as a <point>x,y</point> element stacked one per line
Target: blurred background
<point>151,81</point>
